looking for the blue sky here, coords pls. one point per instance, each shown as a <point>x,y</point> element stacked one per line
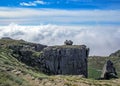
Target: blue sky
<point>64,4</point>
<point>93,10</point>
<point>95,23</point>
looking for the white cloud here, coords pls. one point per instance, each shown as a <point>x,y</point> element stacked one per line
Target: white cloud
<point>28,16</point>
<point>102,40</point>
<point>34,3</point>
<point>27,4</point>
<point>40,2</point>
<point>81,0</point>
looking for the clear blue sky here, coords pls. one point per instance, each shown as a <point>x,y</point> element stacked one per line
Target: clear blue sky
<point>65,4</point>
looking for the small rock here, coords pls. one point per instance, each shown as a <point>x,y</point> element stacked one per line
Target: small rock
<point>18,73</point>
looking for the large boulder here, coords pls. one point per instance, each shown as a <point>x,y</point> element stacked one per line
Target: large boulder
<point>65,60</point>
<point>109,71</point>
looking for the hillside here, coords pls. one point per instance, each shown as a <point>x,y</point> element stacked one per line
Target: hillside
<point>16,72</point>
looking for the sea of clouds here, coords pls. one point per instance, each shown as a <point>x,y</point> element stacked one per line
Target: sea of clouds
<point>102,40</point>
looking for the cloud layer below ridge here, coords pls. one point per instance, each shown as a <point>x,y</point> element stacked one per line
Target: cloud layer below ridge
<point>102,40</point>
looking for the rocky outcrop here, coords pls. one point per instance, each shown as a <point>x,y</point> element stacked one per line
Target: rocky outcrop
<point>65,60</point>
<point>109,71</point>
<point>115,54</point>
<point>27,53</point>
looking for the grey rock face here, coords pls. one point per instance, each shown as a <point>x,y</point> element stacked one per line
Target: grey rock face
<point>109,71</point>
<point>65,60</point>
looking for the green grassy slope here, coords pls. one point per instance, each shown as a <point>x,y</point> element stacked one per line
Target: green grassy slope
<point>15,73</point>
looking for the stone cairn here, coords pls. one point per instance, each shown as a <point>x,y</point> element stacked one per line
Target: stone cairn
<point>68,42</point>
<point>109,71</point>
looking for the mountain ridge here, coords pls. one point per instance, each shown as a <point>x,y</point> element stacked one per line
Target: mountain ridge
<point>16,73</point>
